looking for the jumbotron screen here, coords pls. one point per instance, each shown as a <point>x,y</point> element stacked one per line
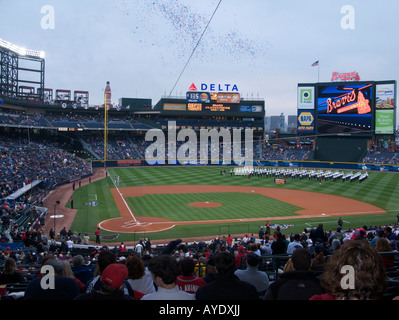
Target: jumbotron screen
<point>345,108</point>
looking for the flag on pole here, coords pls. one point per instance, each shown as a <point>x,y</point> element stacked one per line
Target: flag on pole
<point>315,64</point>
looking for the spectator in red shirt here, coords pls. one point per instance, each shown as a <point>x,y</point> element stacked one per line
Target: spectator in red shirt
<point>97,233</point>
<point>240,257</point>
<point>188,281</point>
<point>122,247</point>
<point>229,241</point>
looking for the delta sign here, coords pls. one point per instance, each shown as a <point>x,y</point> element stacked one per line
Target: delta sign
<point>214,87</point>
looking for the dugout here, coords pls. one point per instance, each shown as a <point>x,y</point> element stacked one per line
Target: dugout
<point>340,149</point>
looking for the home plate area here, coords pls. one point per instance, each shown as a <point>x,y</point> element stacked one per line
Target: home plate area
<point>135,224</point>
<point>141,224</point>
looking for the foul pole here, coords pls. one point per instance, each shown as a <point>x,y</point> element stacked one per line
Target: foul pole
<point>105,127</point>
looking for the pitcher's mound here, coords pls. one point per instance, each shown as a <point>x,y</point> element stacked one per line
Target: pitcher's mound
<point>205,204</point>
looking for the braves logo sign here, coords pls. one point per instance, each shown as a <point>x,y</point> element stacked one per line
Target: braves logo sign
<point>348,102</point>
<point>349,76</point>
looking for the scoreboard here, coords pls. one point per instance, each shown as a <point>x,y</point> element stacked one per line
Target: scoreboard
<point>213,103</point>
<point>361,108</point>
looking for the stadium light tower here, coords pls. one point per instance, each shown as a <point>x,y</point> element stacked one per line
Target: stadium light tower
<point>19,64</point>
<point>21,50</point>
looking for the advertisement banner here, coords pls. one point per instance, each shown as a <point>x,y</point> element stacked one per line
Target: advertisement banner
<point>384,122</point>
<point>305,122</point>
<point>228,98</point>
<point>174,107</point>
<point>385,96</point>
<point>306,97</point>
<point>250,108</point>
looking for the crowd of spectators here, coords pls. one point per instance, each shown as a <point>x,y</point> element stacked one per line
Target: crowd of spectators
<point>285,152</point>
<point>125,146</point>
<point>268,266</point>
<point>120,146</point>
<point>381,157</point>
<point>68,119</point>
<point>23,161</point>
<point>133,147</point>
<point>36,168</point>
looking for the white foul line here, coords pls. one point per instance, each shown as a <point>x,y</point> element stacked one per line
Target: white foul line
<point>123,199</point>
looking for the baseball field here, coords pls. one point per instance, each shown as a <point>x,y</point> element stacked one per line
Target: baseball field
<point>190,202</point>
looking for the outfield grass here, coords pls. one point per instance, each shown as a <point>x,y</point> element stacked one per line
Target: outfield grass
<point>380,189</point>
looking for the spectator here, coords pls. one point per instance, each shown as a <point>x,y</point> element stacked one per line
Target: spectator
<point>211,272</point>
<point>69,243</point>
<point>64,288</point>
<point>11,274</point>
<point>298,284</point>
<point>254,247</point>
<point>147,245</point>
<point>240,257</point>
<point>112,284</point>
<point>252,275</point>
<point>382,245</point>
<point>86,239</point>
<point>318,234</point>
<point>97,234</point>
<point>164,270</point>
<point>188,281</point>
<point>359,232</point>
<point>338,235</point>
<point>105,258</point>
<point>81,270</point>
<point>380,234</point>
<point>69,273</point>
<point>122,248</point>
<point>279,247</point>
<point>266,248</point>
<point>229,241</point>
<point>294,244</point>
<point>139,277</point>
<point>171,246</point>
<point>226,286</point>
<point>369,282</point>
<point>139,249</point>
<point>319,260</point>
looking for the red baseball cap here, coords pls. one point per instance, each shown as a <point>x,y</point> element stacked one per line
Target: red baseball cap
<point>114,275</point>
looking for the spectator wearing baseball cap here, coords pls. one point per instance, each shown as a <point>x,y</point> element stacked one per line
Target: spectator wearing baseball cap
<point>112,282</point>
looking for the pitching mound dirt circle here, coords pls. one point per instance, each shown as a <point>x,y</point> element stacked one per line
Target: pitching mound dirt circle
<point>205,204</point>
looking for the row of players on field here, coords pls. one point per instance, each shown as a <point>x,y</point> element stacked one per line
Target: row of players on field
<point>297,173</point>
